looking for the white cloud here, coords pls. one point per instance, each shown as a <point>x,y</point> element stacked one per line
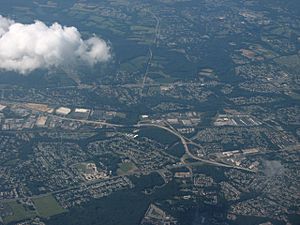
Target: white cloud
<point>26,47</point>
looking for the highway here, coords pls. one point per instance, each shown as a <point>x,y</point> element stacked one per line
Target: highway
<point>150,50</point>
<point>184,140</point>
<point>187,150</point>
<point>103,123</point>
<point>147,68</point>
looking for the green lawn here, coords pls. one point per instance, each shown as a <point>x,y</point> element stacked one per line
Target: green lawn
<point>125,168</point>
<point>47,206</point>
<point>135,64</point>
<point>19,212</point>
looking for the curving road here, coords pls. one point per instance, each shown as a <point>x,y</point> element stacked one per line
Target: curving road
<point>187,150</point>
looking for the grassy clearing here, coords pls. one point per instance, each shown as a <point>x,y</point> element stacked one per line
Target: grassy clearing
<point>20,212</point>
<point>125,168</point>
<point>47,206</point>
<point>135,64</point>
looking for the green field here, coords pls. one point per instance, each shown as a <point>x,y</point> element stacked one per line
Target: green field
<point>19,212</point>
<point>135,64</point>
<point>81,167</point>
<point>47,206</point>
<point>125,168</point>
